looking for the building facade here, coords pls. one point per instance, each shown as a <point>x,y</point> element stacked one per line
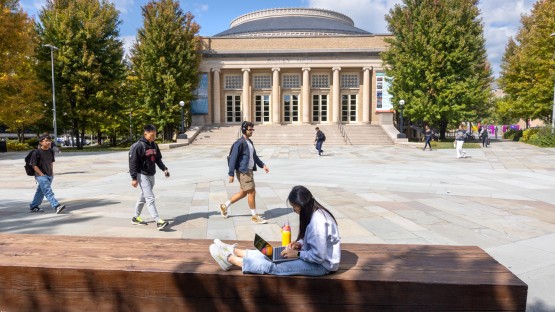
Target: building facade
<point>293,66</point>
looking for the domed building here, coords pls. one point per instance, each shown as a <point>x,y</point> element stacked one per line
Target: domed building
<point>292,66</point>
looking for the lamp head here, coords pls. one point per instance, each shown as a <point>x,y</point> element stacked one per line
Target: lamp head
<point>51,46</point>
<point>181,103</point>
<point>402,102</point>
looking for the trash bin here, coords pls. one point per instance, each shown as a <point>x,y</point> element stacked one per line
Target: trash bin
<point>3,146</point>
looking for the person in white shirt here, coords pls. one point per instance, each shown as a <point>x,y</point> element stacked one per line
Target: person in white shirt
<point>318,245</point>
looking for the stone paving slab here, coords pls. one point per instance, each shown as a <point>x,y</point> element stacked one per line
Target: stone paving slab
<point>500,199</point>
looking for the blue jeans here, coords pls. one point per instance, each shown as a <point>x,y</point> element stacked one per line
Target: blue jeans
<point>319,146</point>
<point>44,189</point>
<point>255,262</point>
<point>427,143</point>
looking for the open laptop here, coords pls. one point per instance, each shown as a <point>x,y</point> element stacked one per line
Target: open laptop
<point>272,253</point>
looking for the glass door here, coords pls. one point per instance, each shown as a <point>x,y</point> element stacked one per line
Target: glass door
<point>233,108</point>
<point>262,108</point>
<point>319,108</point>
<point>290,108</point>
<point>349,108</point>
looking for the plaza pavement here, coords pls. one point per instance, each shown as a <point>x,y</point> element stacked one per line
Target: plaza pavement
<point>501,199</point>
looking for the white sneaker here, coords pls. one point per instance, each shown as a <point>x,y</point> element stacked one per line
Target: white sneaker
<point>226,247</point>
<point>258,219</point>
<point>220,256</point>
<point>223,210</point>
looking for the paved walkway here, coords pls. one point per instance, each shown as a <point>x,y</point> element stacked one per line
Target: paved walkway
<point>501,199</point>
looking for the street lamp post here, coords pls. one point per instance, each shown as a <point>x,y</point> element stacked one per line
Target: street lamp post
<point>52,48</point>
<point>402,134</point>
<point>182,134</point>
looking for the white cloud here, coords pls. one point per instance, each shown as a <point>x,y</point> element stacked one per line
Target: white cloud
<point>501,19</point>
<point>128,42</point>
<point>123,5</point>
<point>201,7</point>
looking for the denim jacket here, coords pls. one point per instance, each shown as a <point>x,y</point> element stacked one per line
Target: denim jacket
<point>239,158</point>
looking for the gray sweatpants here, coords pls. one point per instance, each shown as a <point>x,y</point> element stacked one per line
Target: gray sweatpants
<point>146,183</point>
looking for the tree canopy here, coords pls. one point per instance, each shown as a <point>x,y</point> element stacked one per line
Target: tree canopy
<point>437,61</point>
<point>528,67</point>
<point>88,66</point>
<point>165,63</point>
<point>21,94</point>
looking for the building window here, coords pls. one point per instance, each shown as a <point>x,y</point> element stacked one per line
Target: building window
<point>349,81</point>
<point>262,81</point>
<point>233,82</point>
<point>320,81</point>
<point>291,81</point>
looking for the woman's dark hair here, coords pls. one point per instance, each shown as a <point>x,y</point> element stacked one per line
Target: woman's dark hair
<point>301,196</point>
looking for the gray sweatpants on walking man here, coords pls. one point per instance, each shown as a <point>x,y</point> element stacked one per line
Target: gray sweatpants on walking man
<point>146,183</point>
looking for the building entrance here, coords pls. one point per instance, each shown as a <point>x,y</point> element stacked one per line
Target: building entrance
<point>233,108</point>
<point>262,108</point>
<point>290,108</point>
<point>349,108</point>
<point>319,108</point>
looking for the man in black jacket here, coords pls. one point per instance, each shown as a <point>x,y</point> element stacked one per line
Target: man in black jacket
<point>144,156</point>
<point>319,140</point>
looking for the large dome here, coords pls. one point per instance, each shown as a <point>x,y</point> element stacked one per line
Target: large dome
<point>292,22</point>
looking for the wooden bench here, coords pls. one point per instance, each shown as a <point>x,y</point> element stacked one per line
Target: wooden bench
<point>70,273</point>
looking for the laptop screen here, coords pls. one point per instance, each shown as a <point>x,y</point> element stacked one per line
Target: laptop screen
<point>263,246</point>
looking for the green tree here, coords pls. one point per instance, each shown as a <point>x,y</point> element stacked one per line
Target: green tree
<point>165,60</point>
<point>21,93</point>
<point>528,66</point>
<point>89,65</point>
<point>437,61</point>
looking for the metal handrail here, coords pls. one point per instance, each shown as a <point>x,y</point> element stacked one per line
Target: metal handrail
<point>343,133</point>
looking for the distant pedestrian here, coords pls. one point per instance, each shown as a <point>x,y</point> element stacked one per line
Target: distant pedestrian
<point>319,140</point>
<point>484,137</point>
<point>242,162</point>
<point>460,136</point>
<point>496,130</point>
<point>428,135</point>
<point>42,161</point>
<point>144,156</point>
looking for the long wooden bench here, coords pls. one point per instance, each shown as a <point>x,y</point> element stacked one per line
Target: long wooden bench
<point>68,273</point>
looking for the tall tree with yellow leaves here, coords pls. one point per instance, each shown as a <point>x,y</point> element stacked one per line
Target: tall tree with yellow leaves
<point>21,93</point>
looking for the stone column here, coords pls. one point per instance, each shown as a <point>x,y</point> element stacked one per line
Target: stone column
<point>336,96</point>
<point>216,104</point>
<point>275,96</point>
<point>306,95</point>
<point>366,94</point>
<point>246,95</point>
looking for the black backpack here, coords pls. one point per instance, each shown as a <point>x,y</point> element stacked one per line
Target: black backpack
<point>323,137</point>
<point>28,168</point>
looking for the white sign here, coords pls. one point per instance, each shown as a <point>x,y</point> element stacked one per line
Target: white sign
<point>383,98</point>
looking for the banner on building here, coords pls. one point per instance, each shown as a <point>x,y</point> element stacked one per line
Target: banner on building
<point>199,106</point>
<point>383,98</point>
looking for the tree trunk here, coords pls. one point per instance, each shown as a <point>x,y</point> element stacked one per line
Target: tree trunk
<point>442,129</point>
<point>98,137</point>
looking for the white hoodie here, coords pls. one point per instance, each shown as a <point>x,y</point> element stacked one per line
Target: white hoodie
<point>321,243</point>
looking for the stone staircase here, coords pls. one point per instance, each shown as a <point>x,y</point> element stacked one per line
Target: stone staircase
<point>294,135</point>
<point>366,135</point>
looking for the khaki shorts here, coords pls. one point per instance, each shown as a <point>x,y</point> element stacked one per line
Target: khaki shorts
<point>246,180</point>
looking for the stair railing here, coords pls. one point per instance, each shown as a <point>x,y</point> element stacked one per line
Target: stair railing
<point>344,133</point>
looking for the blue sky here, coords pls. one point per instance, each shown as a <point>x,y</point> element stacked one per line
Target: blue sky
<point>501,17</point>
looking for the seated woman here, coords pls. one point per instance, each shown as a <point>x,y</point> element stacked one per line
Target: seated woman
<point>318,246</point>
